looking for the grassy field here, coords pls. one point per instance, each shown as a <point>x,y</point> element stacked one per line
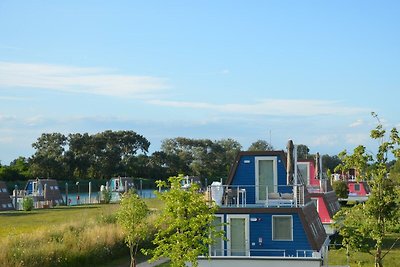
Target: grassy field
<point>63,236</point>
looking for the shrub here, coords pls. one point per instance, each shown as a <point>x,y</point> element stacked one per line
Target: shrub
<point>106,196</point>
<point>341,189</point>
<point>27,203</point>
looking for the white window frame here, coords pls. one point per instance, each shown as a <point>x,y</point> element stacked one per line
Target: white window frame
<point>222,239</point>
<point>308,178</point>
<point>275,171</point>
<point>246,232</point>
<point>291,227</point>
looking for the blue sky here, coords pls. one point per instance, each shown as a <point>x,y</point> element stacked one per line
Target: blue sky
<point>311,71</point>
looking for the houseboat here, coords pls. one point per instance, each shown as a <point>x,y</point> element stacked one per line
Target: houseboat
<point>266,215</point>
<point>359,189</point>
<point>5,200</point>
<point>320,191</point>
<point>44,192</point>
<point>117,186</point>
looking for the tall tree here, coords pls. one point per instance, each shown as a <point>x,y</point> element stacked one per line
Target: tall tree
<point>364,227</point>
<point>303,152</point>
<point>260,145</point>
<point>132,218</point>
<point>48,158</point>
<point>185,224</point>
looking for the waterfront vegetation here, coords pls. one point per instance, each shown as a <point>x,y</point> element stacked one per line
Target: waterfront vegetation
<point>64,236</point>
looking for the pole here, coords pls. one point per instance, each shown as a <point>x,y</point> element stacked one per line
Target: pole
<point>16,197</point>
<point>141,187</point>
<point>66,194</point>
<point>90,192</point>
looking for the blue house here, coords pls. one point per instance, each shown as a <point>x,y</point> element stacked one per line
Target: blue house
<point>267,216</point>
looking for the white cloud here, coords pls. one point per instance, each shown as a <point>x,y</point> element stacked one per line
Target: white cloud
<point>278,107</point>
<point>326,140</point>
<point>357,123</point>
<point>77,80</point>
<point>357,138</point>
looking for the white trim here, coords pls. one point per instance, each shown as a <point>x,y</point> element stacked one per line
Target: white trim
<point>291,227</point>
<point>275,173</point>
<point>246,232</point>
<point>317,200</point>
<point>221,216</point>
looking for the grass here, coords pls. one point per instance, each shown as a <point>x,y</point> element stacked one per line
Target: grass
<point>19,222</point>
<point>63,236</point>
<point>338,256</point>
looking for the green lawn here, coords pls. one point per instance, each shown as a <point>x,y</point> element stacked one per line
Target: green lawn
<point>17,222</point>
<point>338,256</point>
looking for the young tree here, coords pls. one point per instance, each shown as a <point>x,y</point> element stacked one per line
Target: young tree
<point>185,224</point>
<point>365,226</point>
<point>132,218</point>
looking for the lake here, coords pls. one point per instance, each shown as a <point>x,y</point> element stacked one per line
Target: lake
<point>84,196</point>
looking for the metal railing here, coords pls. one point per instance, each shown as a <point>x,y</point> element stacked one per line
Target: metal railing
<point>264,253</point>
<point>257,196</point>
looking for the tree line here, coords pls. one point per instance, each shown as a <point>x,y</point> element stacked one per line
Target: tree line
<point>125,153</point>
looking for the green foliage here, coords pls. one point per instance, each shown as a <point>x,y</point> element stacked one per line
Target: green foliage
<point>131,216</point>
<point>198,157</point>
<point>185,224</point>
<point>106,196</point>
<point>27,204</point>
<point>260,145</point>
<point>303,152</point>
<point>341,189</point>
<point>364,227</point>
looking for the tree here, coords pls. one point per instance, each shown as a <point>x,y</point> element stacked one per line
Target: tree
<point>365,226</point>
<point>260,145</point>
<point>303,152</point>
<point>48,158</point>
<point>185,224</point>
<point>131,216</point>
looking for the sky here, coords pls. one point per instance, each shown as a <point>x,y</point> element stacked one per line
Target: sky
<point>310,71</point>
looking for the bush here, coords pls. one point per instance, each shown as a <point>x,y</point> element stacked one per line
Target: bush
<point>106,196</point>
<point>27,203</point>
<point>341,189</point>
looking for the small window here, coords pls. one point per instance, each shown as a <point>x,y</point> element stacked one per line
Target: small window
<point>56,187</point>
<point>282,228</point>
<point>356,187</point>
<point>51,187</point>
<point>4,190</point>
<point>4,206</point>
<point>10,205</point>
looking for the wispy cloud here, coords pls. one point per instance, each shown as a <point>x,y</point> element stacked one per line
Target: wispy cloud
<point>357,123</point>
<point>77,80</point>
<point>357,138</point>
<point>279,107</point>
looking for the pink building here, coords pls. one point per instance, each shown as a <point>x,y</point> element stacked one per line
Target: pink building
<point>320,192</point>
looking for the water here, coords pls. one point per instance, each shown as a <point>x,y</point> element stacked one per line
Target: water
<point>94,198</point>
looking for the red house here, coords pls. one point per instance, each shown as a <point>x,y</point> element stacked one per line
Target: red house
<point>320,191</point>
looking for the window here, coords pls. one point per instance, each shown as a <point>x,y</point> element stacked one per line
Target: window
<point>217,248</point>
<point>303,171</point>
<point>356,187</point>
<point>266,177</point>
<point>282,228</point>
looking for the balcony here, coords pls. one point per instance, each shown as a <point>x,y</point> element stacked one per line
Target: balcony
<point>250,196</point>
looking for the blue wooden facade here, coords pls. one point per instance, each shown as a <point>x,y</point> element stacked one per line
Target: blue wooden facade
<point>304,235</point>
